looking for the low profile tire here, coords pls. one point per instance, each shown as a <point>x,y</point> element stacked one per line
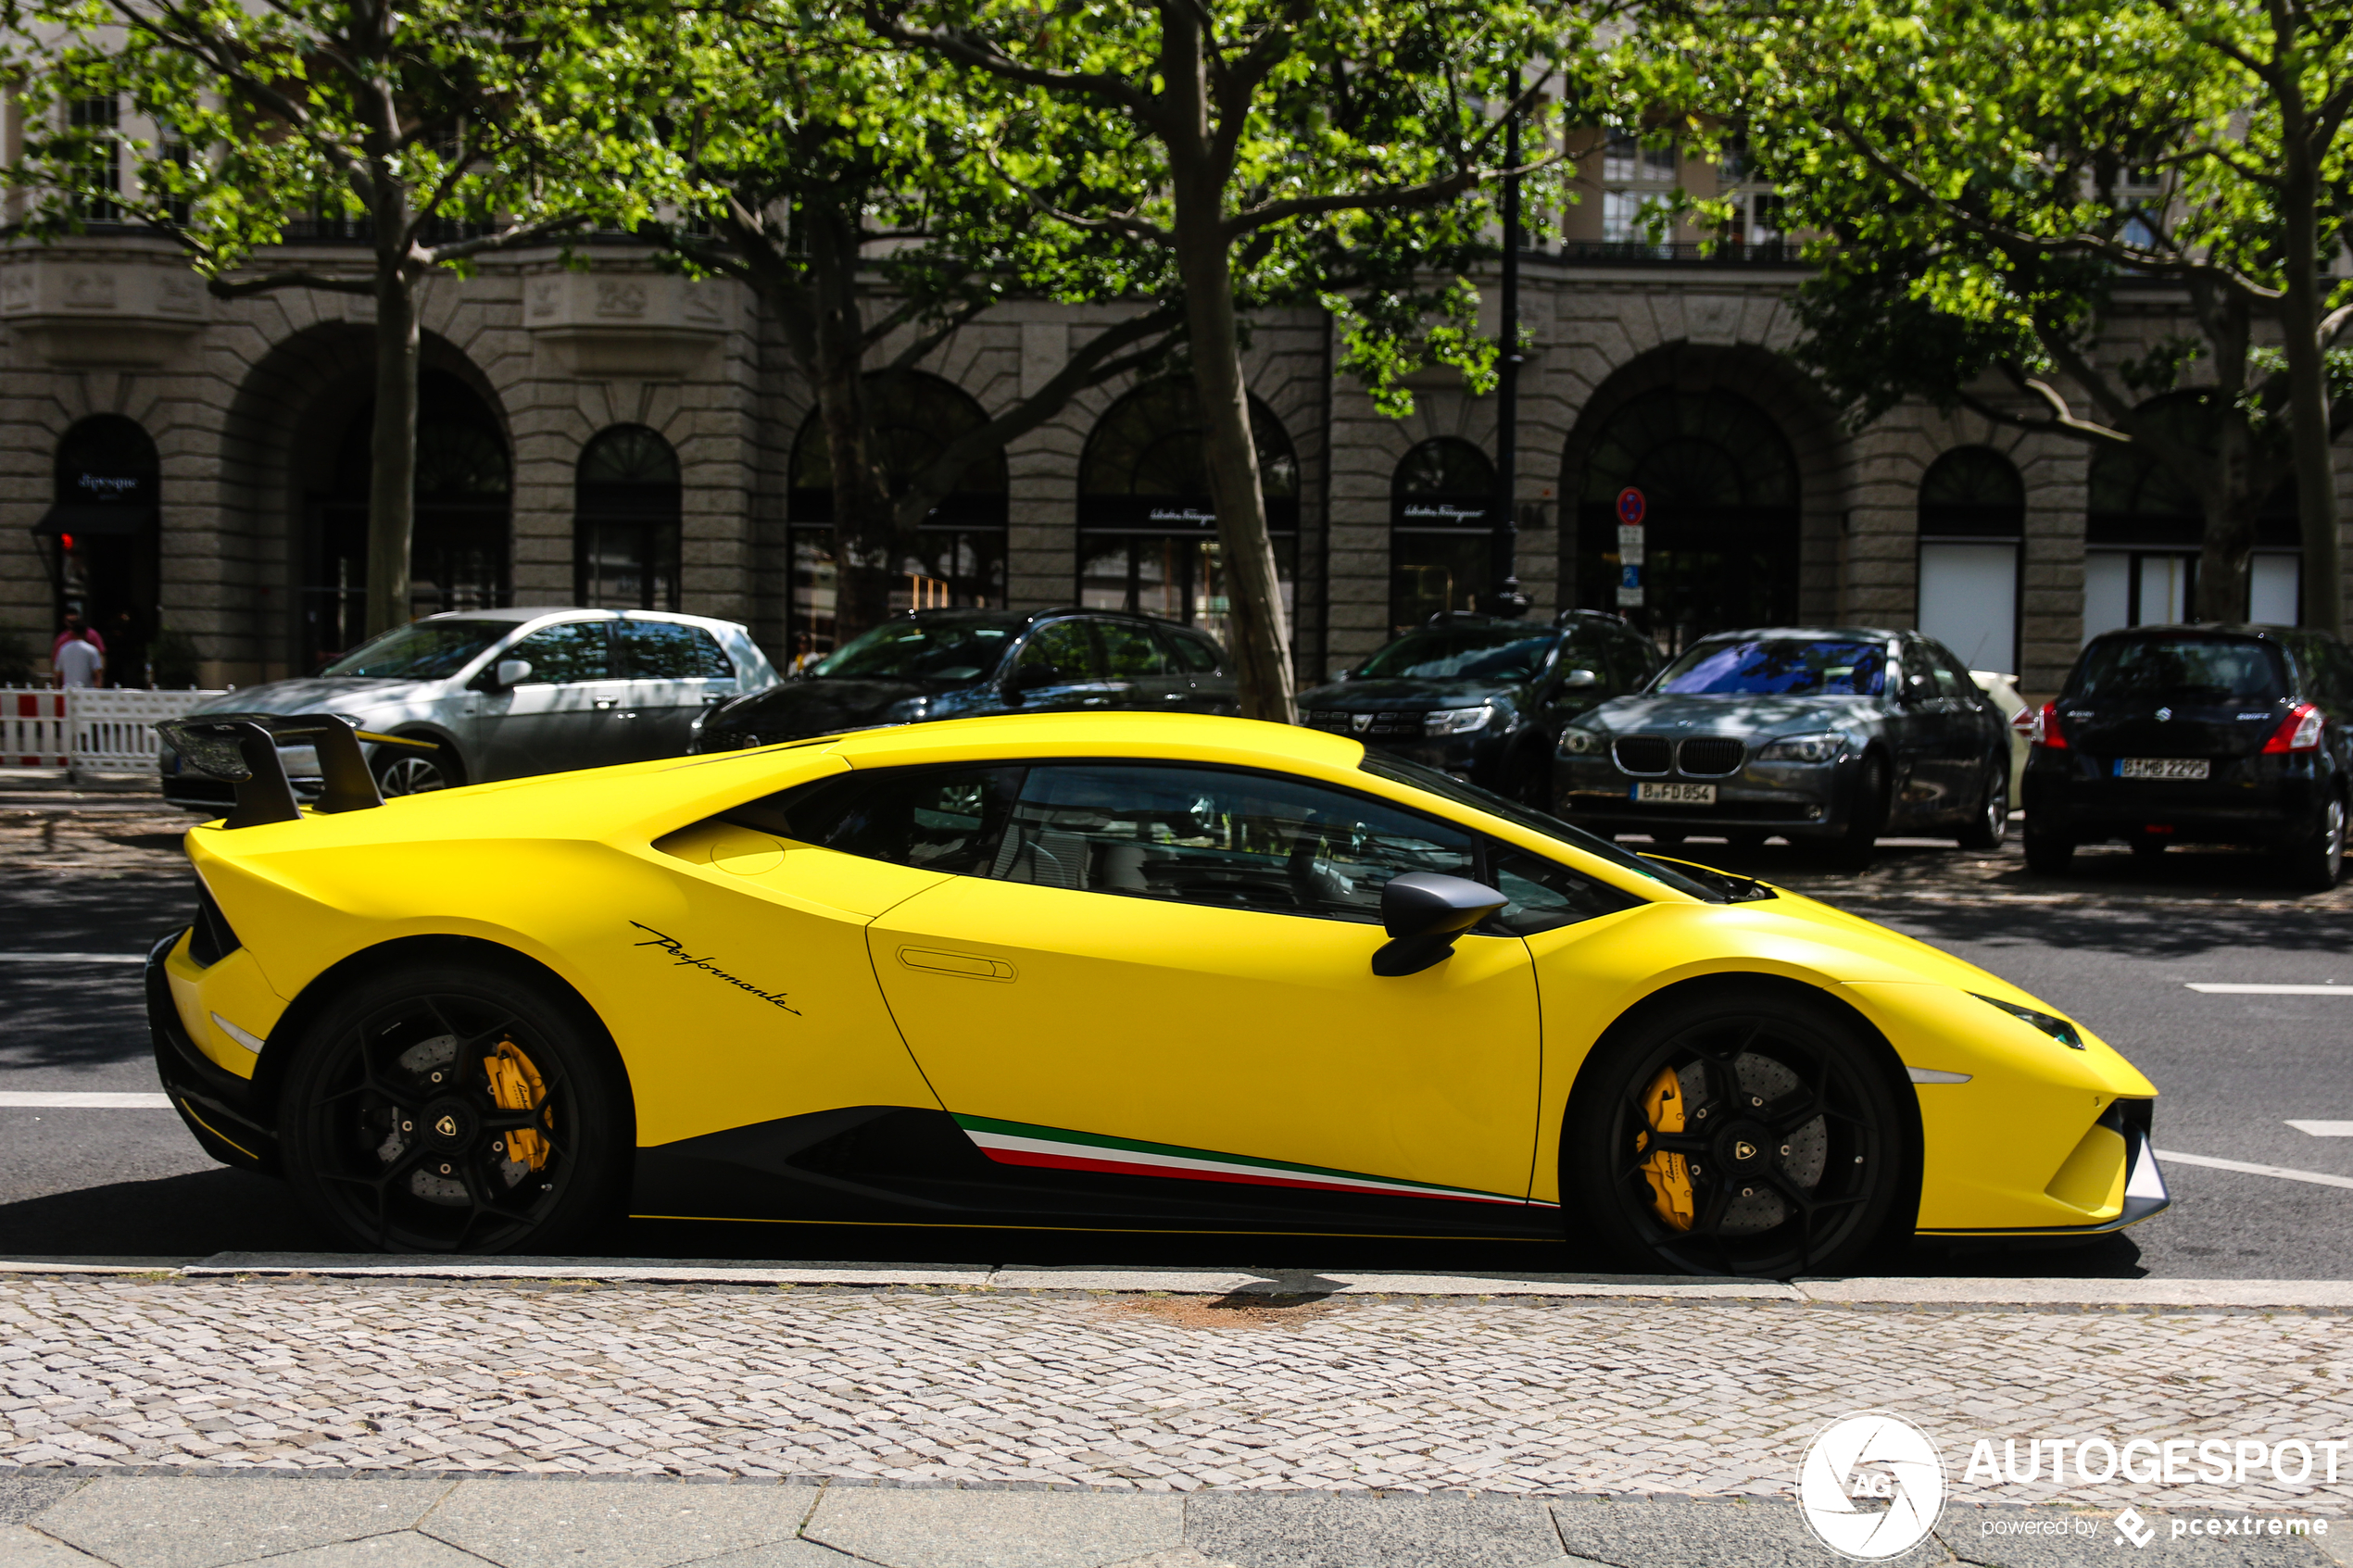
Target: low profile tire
<point>1855,850</point>
<point>2147,846</point>
<point>2317,862</point>
<point>1744,1130</point>
<point>448,1107</point>
<point>1744,841</point>
<point>403,770</point>
<point>2048,854</point>
<point>1992,823</point>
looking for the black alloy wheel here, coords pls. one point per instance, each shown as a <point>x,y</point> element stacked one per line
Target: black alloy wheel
<point>1855,849</point>
<point>2317,862</point>
<point>453,1108</point>
<point>2047,853</point>
<point>1991,823</point>
<point>1743,1131</point>
<point>402,769</point>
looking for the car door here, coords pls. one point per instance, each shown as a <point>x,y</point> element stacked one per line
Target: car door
<point>674,672</point>
<point>1059,666</point>
<point>1915,731</point>
<point>1137,667</point>
<point>565,713</point>
<point>1979,739</point>
<point>1168,972</point>
<point>1201,665</point>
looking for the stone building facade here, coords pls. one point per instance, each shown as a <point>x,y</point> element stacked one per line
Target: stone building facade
<point>1651,367</point>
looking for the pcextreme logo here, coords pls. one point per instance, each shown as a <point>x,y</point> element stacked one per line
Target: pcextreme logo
<point>1870,1458</point>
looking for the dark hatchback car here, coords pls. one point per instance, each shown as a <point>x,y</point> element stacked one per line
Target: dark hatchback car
<point>1481,698</point>
<point>957,663</point>
<point>2211,734</point>
<point>1827,737</point>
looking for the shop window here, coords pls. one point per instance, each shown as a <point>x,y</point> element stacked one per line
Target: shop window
<point>1972,518</point>
<point>626,521</point>
<point>99,539</point>
<point>1442,534</point>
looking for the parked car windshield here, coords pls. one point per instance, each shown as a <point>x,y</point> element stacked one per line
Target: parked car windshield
<point>2214,669</point>
<point>1463,653</point>
<point>423,650</point>
<point>922,650</point>
<point>1778,667</point>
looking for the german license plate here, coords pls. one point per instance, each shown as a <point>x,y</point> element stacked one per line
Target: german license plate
<point>2161,767</point>
<point>1674,794</point>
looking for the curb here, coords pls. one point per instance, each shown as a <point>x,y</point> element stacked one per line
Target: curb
<point>1867,1292</point>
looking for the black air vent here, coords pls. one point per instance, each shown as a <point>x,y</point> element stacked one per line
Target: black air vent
<point>1641,754</point>
<point>212,939</point>
<point>1710,755</point>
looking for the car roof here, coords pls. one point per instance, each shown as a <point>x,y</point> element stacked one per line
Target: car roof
<point>517,614</point>
<point>2211,629</point>
<point>1031,616</point>
<point>1810,633</point>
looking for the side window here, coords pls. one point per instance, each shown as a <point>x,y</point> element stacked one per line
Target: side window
<point>1639,658</point>
<point>1592,650</point>
<point>1229,840</point>
<point>935,819</point>
<point>1192,654</point>
<point>1130,652</point>
<point>1067,645</point>
<point>663,650</point>
<point>1544,895</point>
<point>1965,686</point>
<point>578,650</point>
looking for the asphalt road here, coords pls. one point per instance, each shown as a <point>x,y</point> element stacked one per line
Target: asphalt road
<point>2117,950</point>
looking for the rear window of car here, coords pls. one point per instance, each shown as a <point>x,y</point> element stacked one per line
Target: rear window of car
<point>2181,668</point>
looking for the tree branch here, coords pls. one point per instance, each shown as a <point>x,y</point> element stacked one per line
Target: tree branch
<point>982,53</point>
<point>242,288</point>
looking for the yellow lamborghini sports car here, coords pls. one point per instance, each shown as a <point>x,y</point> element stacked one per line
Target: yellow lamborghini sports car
<point>1097,971</point>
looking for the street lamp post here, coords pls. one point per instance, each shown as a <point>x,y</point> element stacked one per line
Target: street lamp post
<point>1507,599</point>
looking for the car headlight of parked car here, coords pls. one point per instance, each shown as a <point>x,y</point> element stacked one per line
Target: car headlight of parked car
<point>1457,720</point>
<point>1577,742</point>
<point>1828,747</point>
<point>2058,1029</point>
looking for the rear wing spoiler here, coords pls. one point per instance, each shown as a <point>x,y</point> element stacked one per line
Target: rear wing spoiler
<point>242,749</point>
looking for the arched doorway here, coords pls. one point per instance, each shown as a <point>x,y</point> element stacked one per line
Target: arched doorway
<point>1972,520</point>
<point>960,554</point>
<point>100,539</point>
<point>2143,529</point>
<point>626,521</point>
<point>459,550</point>
<point>1147,526</point>
<point>1442,534</point>
<point>1720,483</point>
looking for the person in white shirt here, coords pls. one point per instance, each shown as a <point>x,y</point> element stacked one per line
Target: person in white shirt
<point>79,663</point>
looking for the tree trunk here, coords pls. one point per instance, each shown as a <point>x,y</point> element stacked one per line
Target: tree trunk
<point>2300,309</point>
<point>865,552</point>
<point>2230,492</point>
<point>391,478</point>
<point>1259,638</point>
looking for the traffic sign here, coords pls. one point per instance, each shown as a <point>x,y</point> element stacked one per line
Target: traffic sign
<point>1631,506</point>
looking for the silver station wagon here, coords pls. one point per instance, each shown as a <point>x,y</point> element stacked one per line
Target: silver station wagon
<point>504,693</point>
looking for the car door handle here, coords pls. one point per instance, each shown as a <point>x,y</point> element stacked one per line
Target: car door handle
<point>602,703</point>
<point>972,966</point>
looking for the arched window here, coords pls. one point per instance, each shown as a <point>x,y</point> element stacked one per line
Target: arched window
<point>2142,528</point>
<point>459,551</point>
<point>626,521</point>
<point>1148,526</point>
<point>1719,487</point>
<point>99,539</point>
<point>1441,533</point>
<point>960,557</point>
<point>1972,517</point>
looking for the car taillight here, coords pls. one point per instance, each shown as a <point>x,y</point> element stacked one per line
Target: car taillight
<point>2043,729</point>
<point>2300,731</point>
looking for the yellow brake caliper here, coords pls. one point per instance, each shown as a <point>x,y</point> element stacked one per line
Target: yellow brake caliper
<point>515,1085</point>
<point>1670,1182</point>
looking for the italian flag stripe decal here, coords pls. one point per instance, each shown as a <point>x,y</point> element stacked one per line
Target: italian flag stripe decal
<point>1018,1143</point>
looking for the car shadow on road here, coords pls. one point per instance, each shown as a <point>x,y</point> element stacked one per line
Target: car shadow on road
<point>187,1216</point>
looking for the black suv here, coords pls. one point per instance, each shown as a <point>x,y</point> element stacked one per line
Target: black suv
<point>1482,697</point>
<point>2209,734</point>
<point>957,663</point>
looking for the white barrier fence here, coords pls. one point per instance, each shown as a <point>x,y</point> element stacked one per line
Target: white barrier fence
<point>96,730</point>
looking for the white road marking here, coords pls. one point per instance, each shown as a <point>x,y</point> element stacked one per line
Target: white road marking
<point>85,1100</point>
<point>2325,1129</point>
<point>2214,990</point>
<point>73,958</point>
<point>2317,1178</point>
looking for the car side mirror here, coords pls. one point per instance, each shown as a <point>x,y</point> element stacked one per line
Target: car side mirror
<point>1579,681</point>
<point>1915,688</point>
<point>1423,912</point>
<point>1034,677</point>
<point>512,673</point>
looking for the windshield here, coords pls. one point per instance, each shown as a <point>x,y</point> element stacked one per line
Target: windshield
<point>1463,653</point>
<point>1778,667</point>
<point>423,650</point>
<point>2192,668</point>
<point>922,650</point>
<point>1381,765</point>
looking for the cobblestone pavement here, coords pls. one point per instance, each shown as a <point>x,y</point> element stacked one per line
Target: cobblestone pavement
<point>1152,1394</point>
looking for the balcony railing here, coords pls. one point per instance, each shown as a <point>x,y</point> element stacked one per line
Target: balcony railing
<point>1718,253</point>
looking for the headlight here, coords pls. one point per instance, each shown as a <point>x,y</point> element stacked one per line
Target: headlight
<point>1825,747</point>
<point>1582,743</point>
<point>1457,720</point>
<point>2058,1029</point>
